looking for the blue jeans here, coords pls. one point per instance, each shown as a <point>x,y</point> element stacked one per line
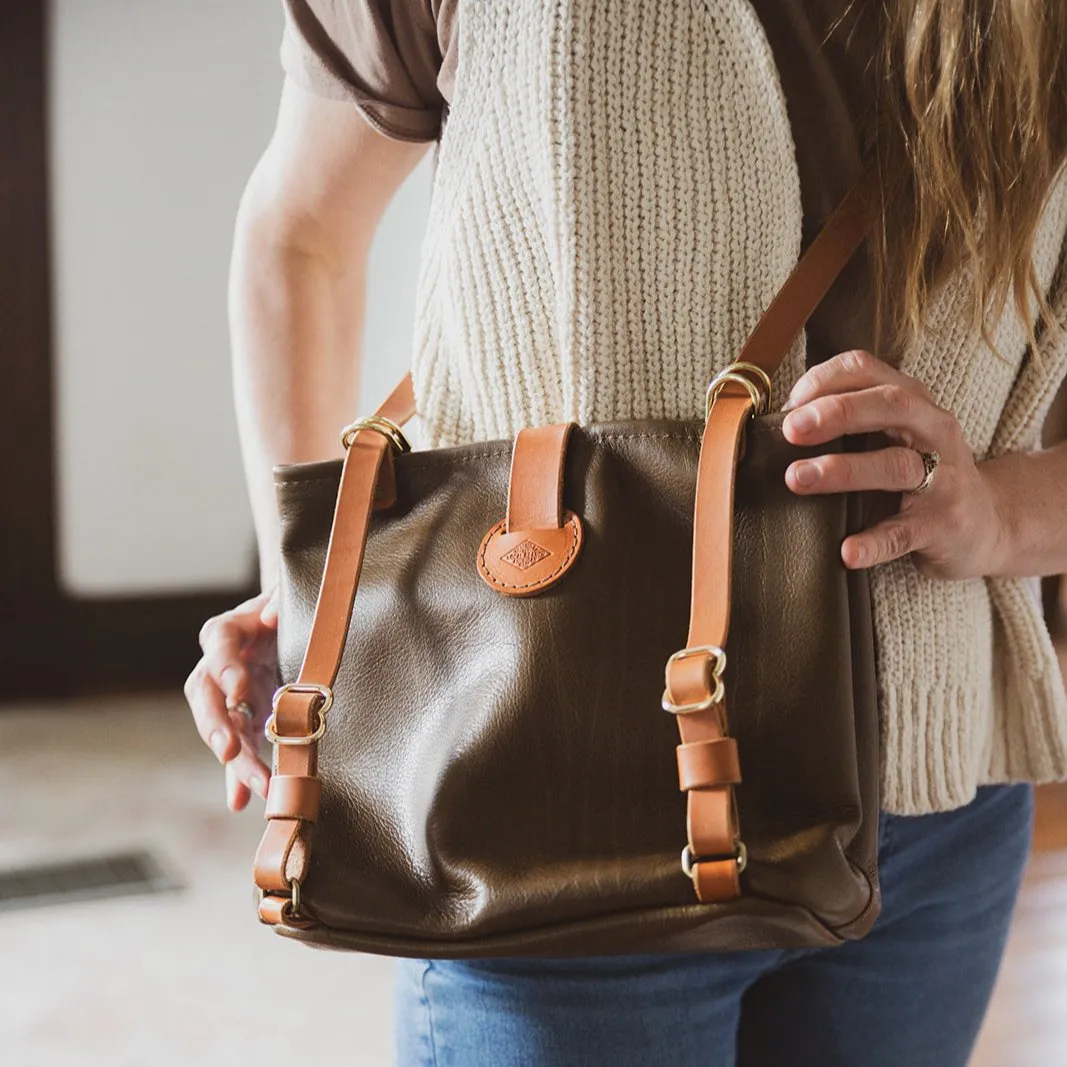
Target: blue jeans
<point>910,994</point>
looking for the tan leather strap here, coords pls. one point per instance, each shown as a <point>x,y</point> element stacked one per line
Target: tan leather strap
<point>696,688</point>
<point>300,709</point>
<point>399,405</point>
<point>819,267</point>
<point>535,489</point>
<point>707,766</point>
<point>694,677</point>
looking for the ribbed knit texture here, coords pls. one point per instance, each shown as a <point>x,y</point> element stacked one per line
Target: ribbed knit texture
<point>613,209</point>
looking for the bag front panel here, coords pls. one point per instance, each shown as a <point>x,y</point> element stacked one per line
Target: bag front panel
<point>499,772</point>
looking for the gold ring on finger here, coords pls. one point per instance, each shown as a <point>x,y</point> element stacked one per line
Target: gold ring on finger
<point>931,461</point>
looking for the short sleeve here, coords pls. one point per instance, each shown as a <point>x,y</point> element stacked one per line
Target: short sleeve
<point>382,56</point>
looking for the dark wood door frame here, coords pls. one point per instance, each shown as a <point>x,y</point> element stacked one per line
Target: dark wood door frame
<point>53,644</point>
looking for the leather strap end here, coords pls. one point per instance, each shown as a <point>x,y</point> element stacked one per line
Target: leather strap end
<point>277,911</point>
<point>704,764</point>
<point>272,910</point>
<point>712,823</point>
<point>291,796</point>
<point>272,857</point>
<point>535,488</point>
<point>717,881</point>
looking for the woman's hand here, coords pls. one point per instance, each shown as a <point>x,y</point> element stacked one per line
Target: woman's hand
<point>955,528</point>
<point>238,667</point>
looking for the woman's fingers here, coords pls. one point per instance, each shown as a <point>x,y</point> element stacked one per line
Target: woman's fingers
<point>236,671</point>
<point>246,771</point>
<point>237,793</point>
<point>845,373</point>
<point>208,705</point>
<point>892,470</point>
<point>895,409</point>
<point>224,637</point>
<point>893,539</point>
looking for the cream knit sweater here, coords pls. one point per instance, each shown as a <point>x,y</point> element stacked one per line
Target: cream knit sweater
<point>613,208</point>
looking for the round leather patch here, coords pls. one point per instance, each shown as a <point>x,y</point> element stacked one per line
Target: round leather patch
<point>527,562</point>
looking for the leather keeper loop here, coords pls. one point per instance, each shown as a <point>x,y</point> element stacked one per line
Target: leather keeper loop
<point>277,911</point>
<point>708,763</point>
<point>535,488</point>
<point>272,910</point>
<point>290,796</point>
<point>716,881</point>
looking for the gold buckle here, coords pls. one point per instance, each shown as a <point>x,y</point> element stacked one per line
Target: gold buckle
<point>716,672</point>
<point>379,424</point>
<point>689,861</point>
<point>323,691</point>
<point>753,379</point>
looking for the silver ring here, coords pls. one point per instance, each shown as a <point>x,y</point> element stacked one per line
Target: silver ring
<point>931,461</point>
<point>242,707</point>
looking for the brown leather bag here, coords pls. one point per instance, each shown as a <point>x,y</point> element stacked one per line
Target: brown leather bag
<point>487,728</point>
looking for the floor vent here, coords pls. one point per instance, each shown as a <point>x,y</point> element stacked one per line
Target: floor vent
<point>118,875</point>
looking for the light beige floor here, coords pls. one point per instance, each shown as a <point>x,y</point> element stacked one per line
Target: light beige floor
<point>192,978</point>
<point>178,979</point>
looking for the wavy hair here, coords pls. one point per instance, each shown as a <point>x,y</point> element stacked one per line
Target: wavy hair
<point>970,133</point>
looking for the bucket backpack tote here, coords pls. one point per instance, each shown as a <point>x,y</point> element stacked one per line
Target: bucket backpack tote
<point>494,733</point>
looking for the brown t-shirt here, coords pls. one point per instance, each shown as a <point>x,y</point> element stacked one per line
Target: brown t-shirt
<point>395,60</point>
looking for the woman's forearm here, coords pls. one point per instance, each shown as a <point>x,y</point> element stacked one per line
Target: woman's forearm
<point>1031,493</point>
<point>296,318</point>
<point>297,288</point>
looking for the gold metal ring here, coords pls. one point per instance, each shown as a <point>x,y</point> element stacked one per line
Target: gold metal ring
<point>323,691</point>
<point>759,372</point>
<point>717,670</point>
<point>378,424</point>
<point>753,379</point>
<point>689,709</point>
<point>719,382</point>
<point>931,461</point>
<point>292,914</point>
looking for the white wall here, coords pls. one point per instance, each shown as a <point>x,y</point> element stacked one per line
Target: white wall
<point>158,113</point>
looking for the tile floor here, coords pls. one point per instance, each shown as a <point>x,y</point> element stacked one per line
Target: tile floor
<point>190,977</point>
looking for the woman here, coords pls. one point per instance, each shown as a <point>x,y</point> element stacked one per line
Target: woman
<point>620,189</point>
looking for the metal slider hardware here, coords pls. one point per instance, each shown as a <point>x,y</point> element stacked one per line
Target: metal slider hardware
<point>378,424</point>
<point>323,691</point>
<point>689,861</point>
<point>753,379</point>
<point>717,670</point>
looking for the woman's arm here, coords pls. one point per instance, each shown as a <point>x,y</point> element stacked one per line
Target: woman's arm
<point>303,233</point>
<point>297,287</point>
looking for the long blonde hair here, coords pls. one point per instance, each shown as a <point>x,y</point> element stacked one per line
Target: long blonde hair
<point>970,132</point>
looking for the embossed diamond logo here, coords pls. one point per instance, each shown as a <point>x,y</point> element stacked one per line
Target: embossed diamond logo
<point>523,556</point>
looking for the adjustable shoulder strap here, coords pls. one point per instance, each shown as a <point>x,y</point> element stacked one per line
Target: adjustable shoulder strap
<point>817,270</point>
<point>300,708</point>
<point>708,761</point>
